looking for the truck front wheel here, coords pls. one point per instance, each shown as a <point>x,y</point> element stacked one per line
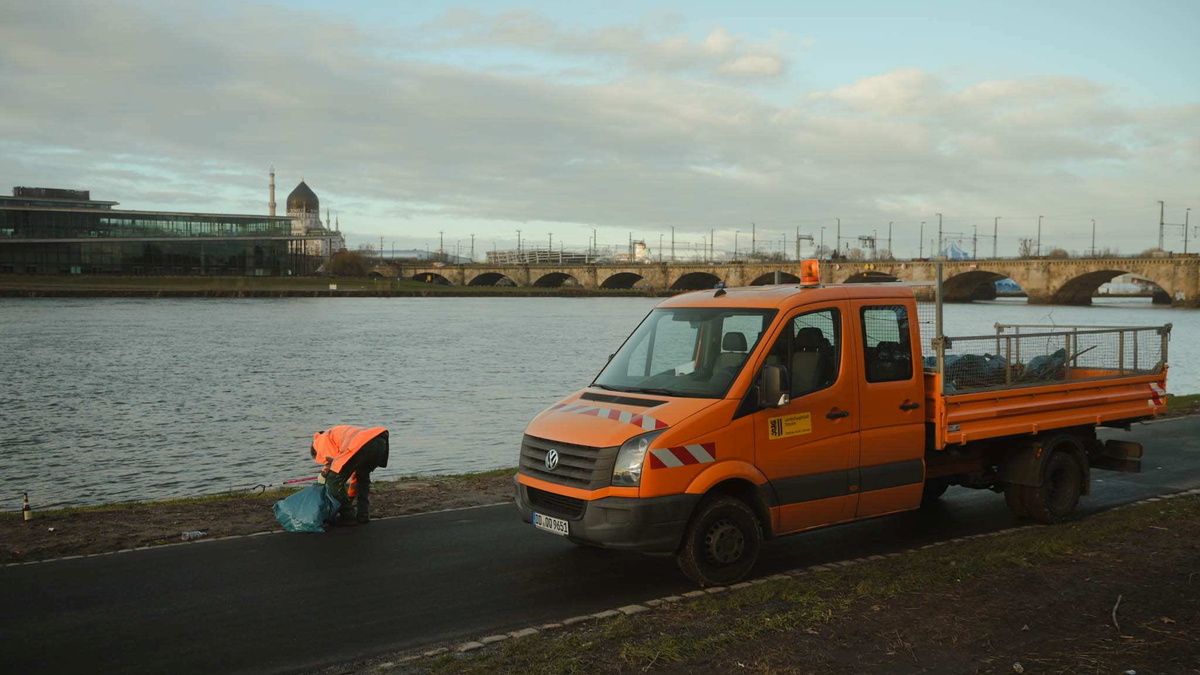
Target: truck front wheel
<point>721,542</point>
<point>1058,495</point>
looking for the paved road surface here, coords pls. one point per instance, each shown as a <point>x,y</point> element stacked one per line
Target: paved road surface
<point>286,603</point>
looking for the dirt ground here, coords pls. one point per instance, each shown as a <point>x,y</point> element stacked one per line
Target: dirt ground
<point>54,534</point>
<point>1051,618</point>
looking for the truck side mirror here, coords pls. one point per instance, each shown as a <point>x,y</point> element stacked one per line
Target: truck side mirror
<point>770,388</point>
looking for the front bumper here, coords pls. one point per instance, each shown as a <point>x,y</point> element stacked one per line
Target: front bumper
<point>648,525</point>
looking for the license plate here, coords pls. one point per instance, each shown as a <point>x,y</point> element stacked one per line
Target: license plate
<point>552,525</point>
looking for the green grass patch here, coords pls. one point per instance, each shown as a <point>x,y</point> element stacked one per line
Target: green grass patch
<point>1177,402</point>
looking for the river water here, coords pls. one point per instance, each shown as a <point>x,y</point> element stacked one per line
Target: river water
<point>106,400</point>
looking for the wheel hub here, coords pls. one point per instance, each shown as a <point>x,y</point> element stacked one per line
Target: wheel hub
<point>724,543</point>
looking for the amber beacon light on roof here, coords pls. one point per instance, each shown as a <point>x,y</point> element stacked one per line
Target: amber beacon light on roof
<point>810,273</point>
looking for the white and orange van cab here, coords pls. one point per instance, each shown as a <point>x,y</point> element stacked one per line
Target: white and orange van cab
<point>731,415</point>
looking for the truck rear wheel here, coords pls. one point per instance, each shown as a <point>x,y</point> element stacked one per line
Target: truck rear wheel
<point>721,543</point>
<point>1058,495</point>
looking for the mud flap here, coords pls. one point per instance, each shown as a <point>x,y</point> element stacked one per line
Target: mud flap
<point>1123,456</point>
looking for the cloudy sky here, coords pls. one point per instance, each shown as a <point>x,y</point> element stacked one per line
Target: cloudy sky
<point>629,119</point>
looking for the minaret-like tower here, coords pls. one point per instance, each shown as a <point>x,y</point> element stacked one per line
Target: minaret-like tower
<point>328,220</point>
<point>271,203</point>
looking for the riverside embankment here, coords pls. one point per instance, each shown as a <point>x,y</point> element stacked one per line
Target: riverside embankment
<point>59,286</point>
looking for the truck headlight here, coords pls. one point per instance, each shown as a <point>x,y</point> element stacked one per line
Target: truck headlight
<point>628,470</point>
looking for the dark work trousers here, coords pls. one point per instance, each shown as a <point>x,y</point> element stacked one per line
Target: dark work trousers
<point>368,458</point>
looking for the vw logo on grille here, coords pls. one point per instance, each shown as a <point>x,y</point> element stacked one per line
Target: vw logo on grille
<point>551,460</point>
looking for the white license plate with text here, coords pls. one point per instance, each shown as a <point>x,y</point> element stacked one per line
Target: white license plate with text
<point>552,525</point>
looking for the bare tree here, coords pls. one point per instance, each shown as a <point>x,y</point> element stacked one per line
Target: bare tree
<point>1025,249</point>
<point>350,263</point>
<point>1058,253</point>
<point>767,256</point>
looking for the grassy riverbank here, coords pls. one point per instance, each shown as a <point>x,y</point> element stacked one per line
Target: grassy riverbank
<point>101,286</point>
<point>1115,592</point>
<point>111,527</point>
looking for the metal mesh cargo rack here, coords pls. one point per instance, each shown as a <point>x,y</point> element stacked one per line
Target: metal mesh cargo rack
<point>1015,357</point>
<point>1028,355</point>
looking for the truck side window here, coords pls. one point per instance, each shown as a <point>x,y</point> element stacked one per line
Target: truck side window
<point>887,351</point>
<point>810,349</point>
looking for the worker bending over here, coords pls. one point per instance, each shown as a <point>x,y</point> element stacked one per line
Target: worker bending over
<point>349,455</point>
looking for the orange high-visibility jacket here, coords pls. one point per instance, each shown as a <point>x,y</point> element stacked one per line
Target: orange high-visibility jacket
<point>337,445</point>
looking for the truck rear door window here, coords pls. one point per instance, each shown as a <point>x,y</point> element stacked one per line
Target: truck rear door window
<point>887,351</point>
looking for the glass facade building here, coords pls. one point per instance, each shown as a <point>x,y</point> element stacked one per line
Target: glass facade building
<point>48,231</point>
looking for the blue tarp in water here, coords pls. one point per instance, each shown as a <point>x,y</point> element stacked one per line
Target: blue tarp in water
<point>308,510</point>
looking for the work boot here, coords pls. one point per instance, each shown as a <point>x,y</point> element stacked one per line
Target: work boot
<point>344,518</point>
<point>363,518</point>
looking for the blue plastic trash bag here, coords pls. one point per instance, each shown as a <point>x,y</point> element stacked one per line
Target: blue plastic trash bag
<point>307,510</point>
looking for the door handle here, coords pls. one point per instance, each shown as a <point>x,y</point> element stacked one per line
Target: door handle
<point>837,414</point>
<point>909,406</point>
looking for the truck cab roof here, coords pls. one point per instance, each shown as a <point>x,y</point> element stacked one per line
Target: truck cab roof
<point>785,296</point>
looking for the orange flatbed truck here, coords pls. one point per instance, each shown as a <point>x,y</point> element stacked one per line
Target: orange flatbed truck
<point>736,415</point>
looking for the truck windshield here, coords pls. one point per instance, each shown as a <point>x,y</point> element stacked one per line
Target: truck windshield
<point>686,351</point>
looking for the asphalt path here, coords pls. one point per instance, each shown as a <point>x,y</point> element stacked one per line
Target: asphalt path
<point>284,603</point>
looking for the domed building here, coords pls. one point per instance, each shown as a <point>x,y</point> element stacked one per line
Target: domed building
<point>304,208</point>
<point>314,241</point>
<point>303,201</point>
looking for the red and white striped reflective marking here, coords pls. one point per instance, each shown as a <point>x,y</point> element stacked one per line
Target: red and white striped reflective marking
<point>667,458</point>
<point>646,422</point>
<point>1156,395</point>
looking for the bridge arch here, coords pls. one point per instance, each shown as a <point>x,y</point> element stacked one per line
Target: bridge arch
<point>870,277</point>
<point>432,278</point>
<point>769,279</point>
<point>975,285</point>
<point>695,281</point>
<point>556,280</point>
<point>491,279</point>
<point>621,280</point>
<point>1081,289</point>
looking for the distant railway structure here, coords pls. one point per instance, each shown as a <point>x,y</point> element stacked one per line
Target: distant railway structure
<point>1070,281</point>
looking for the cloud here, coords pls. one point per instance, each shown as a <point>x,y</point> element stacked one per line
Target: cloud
<point>637,47</point>
<point>171,105</point>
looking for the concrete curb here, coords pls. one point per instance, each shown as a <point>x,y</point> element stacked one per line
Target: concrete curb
<point>650,605</point>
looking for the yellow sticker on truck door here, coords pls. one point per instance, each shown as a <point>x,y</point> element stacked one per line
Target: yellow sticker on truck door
<point>789,425</point>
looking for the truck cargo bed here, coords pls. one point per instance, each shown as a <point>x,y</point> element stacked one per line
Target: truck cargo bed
<point>1015,382</point>
<point>961,418</point>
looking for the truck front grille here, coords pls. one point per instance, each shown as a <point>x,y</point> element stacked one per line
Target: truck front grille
<point>556,505</point>
<point>579,466</point>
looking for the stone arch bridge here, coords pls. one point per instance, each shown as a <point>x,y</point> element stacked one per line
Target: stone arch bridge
<point>1070,281</point>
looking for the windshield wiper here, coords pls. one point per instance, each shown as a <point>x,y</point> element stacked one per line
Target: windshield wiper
<point>605,386</point>
<point>659,392</point>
